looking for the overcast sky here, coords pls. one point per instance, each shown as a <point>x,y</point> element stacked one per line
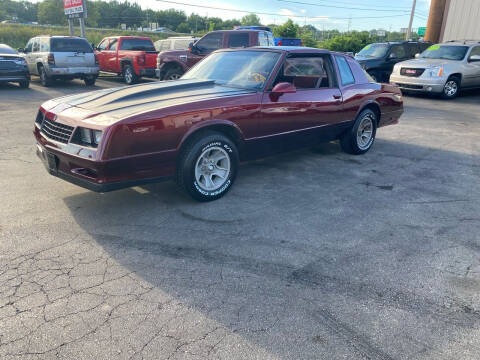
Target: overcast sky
<point>365,14</point>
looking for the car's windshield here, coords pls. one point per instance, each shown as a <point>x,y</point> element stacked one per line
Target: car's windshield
<point>374,50</point>
<point>6,50</point>
<point>71,45</point>
<point>447,52</point>
<point>245,69</point>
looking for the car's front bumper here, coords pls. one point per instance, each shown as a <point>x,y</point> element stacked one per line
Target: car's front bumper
<point>81,71</point>
<point>62,160</point>
<point>428,85</point>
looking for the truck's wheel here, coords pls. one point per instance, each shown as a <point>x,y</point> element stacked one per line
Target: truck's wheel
<point>173,74</point>
<point>359,139</point>
<point>129,75</point>
<point>207,166</point>
<point>24,84</point>
<point>45,80</point>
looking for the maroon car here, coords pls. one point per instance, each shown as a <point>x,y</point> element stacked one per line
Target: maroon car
<point>234,105</point>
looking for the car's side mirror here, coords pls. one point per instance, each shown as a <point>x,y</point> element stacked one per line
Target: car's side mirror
<point>21,50</point>
<point>474,58</point>
<point>417,56</point>
<point>392,56</point>
<point>284,88</point>
<point>192,48</point>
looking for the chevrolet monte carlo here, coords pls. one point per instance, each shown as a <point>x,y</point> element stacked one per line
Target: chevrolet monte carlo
<point>235,105</point>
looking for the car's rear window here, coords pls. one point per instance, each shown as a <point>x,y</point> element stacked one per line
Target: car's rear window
<point>137,44</point>
<point>70,45</point>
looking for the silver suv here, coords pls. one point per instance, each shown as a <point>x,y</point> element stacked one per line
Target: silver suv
<point>441,69</point>
<point>56,57</point>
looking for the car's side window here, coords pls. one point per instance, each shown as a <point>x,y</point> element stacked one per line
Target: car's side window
<point>113,45</point>
<point>29,46</point>
<point>307,72</point>
<point>262,38</point>
<point>346,75</point>
<point>398,51</point>
<point>210,42</point>
<point>103,45</point>
<point>236,40</point>
<point>44,45</point>
<point>166,45</point>
<point>475,51</point>
<point>36,46</point>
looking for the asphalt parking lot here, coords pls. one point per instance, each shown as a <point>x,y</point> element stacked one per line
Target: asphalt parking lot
<point>314,254</point>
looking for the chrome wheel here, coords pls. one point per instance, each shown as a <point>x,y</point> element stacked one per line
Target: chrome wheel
<point>128,75</point>
<point>174,76</point>
<point>450,88</point>
<point>365,132</point>
<point>212,168</point>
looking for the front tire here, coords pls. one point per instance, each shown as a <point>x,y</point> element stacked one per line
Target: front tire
<point>25,84</point>
<point>129,75</point>
<point>359,139</point>
<point>451,88</point>
<point>207,166</point>
<point>173,74</point>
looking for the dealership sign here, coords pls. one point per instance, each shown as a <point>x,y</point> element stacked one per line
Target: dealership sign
<point>74,8</point>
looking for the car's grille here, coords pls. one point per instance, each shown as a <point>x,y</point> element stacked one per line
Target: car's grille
<point>7,65</point>
<point>411,72</point>
<point>410,86</point>
<point>55,131</point>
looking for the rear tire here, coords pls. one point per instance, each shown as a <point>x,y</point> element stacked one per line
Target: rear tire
<point>44,78</point>
<point>90,81</point>
<point>207,166</point>
<point>129,75</point>
<point>25,84</point>
<point>451,88</point>
<point>173,74</point>
<point>359,139</point>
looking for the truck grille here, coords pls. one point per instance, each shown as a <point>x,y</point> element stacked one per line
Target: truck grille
<point>411,72</point>
<point>55,131</point>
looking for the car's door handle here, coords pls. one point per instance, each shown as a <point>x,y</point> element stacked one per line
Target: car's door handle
<point>337,97</point>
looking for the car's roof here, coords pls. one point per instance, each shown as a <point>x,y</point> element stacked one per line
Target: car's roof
<point>461,42</point>
<point>5,46</point>
<point>60,37</point>
<point>286,49</point>
<point>236,31</point>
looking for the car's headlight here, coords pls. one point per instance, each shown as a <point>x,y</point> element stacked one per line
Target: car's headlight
<point>88,137</point>
<point>436,71</point>
<point>20,62</point>
<point>395,70</point>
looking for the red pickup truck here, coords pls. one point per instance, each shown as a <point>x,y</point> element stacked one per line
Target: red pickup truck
<point>173,64</point>
<point>130,56</point>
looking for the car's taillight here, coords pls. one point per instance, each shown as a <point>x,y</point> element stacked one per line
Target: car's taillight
<point>96,59</point>
<point>280,43</point>
<point>51,59</point>
<point>141,59</point>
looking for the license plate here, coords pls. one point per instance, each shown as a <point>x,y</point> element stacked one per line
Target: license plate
<point>408,71</point>
<point>49,160</point>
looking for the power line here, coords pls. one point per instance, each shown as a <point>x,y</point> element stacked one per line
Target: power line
<point>356,3</point>
<point>341,7</point>
<point>277,14</point>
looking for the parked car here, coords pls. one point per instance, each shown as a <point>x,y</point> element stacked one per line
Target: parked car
<point>174,43</point>
<point>173,64</point>
<point>234,105</point>
<point>378,59</point>
<point>288,42</point>
<point>163,30</point>
<point>442,69</point>
<point>129,56</point>
<point>61,57</point>
<point>13,67</point>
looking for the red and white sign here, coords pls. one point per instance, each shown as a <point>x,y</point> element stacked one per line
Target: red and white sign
<point>73,6</point>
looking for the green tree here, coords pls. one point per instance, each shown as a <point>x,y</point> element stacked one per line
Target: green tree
<point>287,30</point>
<point>250,19</point>
<point>308,40</point>
<point>51,12</point>
<point>183,28</point>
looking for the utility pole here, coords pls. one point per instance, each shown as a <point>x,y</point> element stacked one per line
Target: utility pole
<point>409,30</point>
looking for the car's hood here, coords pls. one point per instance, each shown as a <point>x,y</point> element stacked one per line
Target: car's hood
<point>366,58</point>
<point>105,107</point>
<point>425,63</point>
